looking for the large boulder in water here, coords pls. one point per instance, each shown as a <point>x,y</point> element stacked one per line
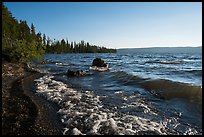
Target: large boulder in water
<point>99,65</point>
<point>75,72</point>
<point>98,62</point>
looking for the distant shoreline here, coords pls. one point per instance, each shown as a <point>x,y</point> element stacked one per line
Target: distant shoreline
<point>164,47</point>
<point>162,50</point>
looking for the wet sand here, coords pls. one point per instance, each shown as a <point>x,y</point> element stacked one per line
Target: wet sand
<point>23,111</point>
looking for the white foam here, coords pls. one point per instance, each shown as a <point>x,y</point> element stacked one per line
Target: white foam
<point>99,68</point>
<point>62,64</point>
<point>83,112</point>
<point>75,131</point>
<point>118,92</point>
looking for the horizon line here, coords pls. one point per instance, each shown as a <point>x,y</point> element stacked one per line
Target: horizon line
<point>162,47</point>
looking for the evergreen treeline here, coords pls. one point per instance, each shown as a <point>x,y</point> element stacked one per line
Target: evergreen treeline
<point>21,43</point>
<point>73,47</point>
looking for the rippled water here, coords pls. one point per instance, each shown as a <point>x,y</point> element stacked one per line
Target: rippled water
<point>139,94</point>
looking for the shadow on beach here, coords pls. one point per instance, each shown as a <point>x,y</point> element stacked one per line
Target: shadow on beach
<point>24,112</point>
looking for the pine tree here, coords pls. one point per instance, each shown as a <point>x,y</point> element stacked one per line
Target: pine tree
<point>44,40</point>
<point>32,29</point>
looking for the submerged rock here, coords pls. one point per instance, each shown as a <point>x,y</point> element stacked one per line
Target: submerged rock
<point>99,64</point>
<point>75,72</point>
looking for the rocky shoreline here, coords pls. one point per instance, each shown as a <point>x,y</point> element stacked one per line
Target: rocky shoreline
<point>24,112</point>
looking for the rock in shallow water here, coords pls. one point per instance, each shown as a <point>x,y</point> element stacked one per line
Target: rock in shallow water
<point>75,72</point>
<point>98,62</point>
<point>99,65</point>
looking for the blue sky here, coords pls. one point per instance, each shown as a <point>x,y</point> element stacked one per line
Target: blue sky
<point>116,24</point>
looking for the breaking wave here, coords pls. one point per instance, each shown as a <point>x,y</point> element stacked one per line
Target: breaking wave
<point>167,89</point>
<point>196,72</point>
<point>163,88</point>
<point>83,113</point>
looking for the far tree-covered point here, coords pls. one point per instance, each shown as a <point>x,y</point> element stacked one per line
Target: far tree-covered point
<point>74,47</point>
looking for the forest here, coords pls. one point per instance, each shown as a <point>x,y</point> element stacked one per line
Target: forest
<point>73,47</point>
<point>22,43</point>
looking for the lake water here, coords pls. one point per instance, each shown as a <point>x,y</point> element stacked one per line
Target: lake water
<point>141,93</point>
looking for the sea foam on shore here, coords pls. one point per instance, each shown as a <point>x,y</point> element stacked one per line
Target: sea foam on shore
<point>83,113</point>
